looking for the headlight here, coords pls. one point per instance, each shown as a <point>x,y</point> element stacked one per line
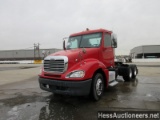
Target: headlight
<point>76,74</point>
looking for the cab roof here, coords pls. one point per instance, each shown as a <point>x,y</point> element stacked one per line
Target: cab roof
<point>87,31</point>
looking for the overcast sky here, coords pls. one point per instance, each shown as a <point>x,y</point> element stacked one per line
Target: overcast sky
<point>25,22</point>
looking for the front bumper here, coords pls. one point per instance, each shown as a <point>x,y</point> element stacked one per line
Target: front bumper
<point>76,88</point>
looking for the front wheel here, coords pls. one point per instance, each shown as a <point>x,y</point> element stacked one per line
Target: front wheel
<point>97,86</point>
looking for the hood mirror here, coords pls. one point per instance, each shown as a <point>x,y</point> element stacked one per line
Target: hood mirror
<point>83,50</point>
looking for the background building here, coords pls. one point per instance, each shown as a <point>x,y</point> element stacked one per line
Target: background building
<point>146,51</point>
<point>28,54</point>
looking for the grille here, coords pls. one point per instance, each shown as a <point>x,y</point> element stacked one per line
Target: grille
<point>54,65</point>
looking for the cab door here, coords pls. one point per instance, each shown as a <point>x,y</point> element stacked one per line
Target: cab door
<point>108,51</point>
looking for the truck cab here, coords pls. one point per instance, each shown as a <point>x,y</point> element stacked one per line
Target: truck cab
<point>85,66</point>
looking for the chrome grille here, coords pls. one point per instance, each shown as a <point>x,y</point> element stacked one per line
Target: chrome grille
<point>55,64</point>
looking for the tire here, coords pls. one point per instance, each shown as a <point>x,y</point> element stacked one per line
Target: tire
<point>97,87</point>
<point>56,95</point>
<point>116,74</point>
<point>134,72</point>
<point>128,75</point>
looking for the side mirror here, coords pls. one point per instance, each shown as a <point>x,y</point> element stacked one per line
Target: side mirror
<point>64,44</point>
<point>114,40</point>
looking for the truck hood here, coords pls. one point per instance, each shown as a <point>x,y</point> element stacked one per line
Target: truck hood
<point>77,55</point>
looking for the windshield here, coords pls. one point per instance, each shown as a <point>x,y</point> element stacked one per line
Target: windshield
<point>85,41</point>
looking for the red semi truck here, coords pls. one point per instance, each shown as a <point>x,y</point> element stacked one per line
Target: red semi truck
<point>86,66</point>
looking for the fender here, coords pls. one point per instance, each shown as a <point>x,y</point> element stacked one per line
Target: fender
<point>90,66</point>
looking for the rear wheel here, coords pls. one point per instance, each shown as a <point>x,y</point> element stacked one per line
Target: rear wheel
<point>97,86</point>
<point>128,75</point>
<point>134,72</point>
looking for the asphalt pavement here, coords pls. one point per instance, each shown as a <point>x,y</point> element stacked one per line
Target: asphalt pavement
<point>22,99</point>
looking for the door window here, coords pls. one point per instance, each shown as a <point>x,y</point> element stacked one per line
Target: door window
<point>107,40</point>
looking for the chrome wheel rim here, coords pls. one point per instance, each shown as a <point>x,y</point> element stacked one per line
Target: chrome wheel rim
<point>135,72</point>
<point>99,87</point>
<point>130,73</point>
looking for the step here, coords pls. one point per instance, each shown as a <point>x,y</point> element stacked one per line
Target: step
<point>113,83</point>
